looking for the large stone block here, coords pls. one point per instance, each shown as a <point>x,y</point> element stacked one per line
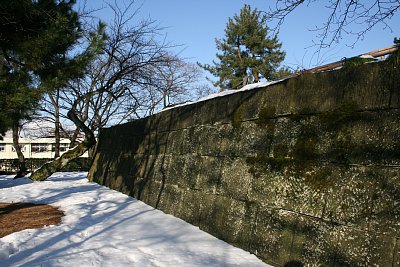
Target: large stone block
<point>254,138</point>
<point>236,181</point>
<point>305,171</point>
<point>210,139</point>
<point>223,217</point>
<point>210,172</point>
<point>184,141</point>
<point>361,248</point>
<point>184,170</point>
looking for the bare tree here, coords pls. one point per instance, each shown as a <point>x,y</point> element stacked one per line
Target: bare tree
<point>53,113</point>
<point>119,72</point>
<point>343,14</point>
<point>169,81</point>
<point>173,82</point>
<point>54,97</point>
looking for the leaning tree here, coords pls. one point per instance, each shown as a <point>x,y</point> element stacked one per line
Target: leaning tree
<point>130,53</point>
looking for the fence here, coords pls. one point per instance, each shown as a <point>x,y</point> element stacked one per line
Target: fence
<point>9,166</point>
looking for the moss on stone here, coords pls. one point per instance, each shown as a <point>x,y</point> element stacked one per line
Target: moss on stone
<point>302,195</point>
<point>237,117</point>
<point>301,114</point>
<point>320,179</point>
<point>266,120</point>
<point>305,147</point>
<point>265,115</point>
<point>296,117</point>
<point>281,151</point>
<point>213,180</point>
<point>279,164</point>
<point>344,114</point>
<point>263,163</point>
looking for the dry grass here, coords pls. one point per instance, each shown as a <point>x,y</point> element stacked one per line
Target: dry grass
<point>15,217</point>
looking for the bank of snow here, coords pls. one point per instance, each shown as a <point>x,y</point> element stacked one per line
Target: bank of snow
<point>103,227</point>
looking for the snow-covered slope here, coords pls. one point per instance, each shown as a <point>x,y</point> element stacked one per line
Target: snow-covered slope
<point>103,227</point>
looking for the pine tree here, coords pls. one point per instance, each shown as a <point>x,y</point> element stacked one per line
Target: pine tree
<point>33,37</point>
<point>247,52</point>
<point>36,40</point>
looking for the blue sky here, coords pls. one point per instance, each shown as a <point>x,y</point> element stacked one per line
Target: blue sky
<point>195,24</point>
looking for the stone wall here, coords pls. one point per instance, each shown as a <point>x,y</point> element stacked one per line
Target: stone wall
<point>304,171</point>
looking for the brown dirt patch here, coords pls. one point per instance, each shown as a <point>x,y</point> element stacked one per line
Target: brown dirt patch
<point>15,217</point>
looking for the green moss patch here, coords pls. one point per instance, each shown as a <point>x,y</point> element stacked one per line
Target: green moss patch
<point>306,144</point>
<point>237,117</point>
<point>320,179</point>
<point>265,115</point>
<point>344,114</point>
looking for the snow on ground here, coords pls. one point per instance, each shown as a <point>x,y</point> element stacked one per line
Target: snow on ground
<point>102,227</point>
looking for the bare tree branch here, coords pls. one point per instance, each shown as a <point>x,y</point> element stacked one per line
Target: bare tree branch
<point>343,16</point>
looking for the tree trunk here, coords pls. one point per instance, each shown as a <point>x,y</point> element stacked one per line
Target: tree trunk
<point>57,137</point>
<point>57,125</point>
<point>55,102</point>
<point>256,76</point>
<point>245,80</point>
<point>22,171</point>
<point>51,167</point>
<point>165,100</point>
<point>74,138</point>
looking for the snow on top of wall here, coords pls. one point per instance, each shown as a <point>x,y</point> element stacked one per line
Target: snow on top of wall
<point>366,56</point>
<point>227,92</point>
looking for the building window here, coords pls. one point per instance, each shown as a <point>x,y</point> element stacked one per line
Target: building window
<point>63,147</point>
<point>36,148</point>
<point>2,148</point>
<point>21,147</point>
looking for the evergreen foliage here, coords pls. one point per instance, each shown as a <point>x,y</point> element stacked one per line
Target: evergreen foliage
<point>37,38</point>
<point>247,52</point>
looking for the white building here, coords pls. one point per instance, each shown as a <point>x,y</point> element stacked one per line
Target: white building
<point>43,148</point>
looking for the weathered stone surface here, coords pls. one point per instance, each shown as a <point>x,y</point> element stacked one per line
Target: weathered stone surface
<point>306,171</point>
